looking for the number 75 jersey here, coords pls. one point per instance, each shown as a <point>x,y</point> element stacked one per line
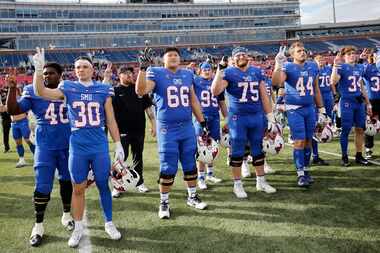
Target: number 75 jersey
<point>299,83</point>
<point>243,89</point>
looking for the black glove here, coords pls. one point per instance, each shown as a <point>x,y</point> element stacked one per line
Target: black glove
<point>146,58</point>
<point>223,63</point>
<point>205,130</point>
<point>336,98</point>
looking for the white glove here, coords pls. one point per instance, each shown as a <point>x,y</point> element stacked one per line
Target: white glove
<point>271,122</point>
<point>119,152</point>
<point>39,60</point>
<point>280,57</point>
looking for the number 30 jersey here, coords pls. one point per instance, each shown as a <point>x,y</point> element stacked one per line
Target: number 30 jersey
<point>53,129</point>
<point>171,94</point>
<point>243,90</point>
<point>299,83</point>
<point>87,116</point>
<point>349,83</point>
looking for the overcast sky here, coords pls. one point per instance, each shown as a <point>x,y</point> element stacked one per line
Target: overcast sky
<point>312,11</point>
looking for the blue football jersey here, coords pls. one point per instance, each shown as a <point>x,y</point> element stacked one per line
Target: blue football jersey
<point>349,83</point>
<point>209,103</point>
<point>268,85</point>
<point>53,128</point>
<point>243,90</point>
<point>171,94</point>
<point>299,83</point>
<point>372,78</point>
<point>324,79</point>
<point>87,115</point>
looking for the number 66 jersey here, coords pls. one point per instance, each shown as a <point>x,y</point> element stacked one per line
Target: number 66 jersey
<point>87,116</point>
<point>53,129</point>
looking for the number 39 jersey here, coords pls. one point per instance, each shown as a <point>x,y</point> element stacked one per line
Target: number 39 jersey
<point>299,83</point>
<point>87,115</point>
<point>209,103</point>
<point>243,89</point>
<point>53,128</point>
<point>171,94</point>
<point>372,77</point>
<point>349,83</point>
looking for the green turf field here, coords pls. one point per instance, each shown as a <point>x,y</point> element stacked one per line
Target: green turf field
<point>339,213</point>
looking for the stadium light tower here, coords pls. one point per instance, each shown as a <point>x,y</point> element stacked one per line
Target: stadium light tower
<point>334,14</point>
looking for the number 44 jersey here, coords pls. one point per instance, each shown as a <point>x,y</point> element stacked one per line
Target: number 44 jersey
<point>87,116</point>
<point>53,129</point>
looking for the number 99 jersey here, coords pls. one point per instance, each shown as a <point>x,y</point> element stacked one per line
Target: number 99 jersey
<point>87,115</point>
<point>171,94</point>
<point>243,89</point>
<point>349,83</point>
<point>53,129</point>
<point>299,83</point>
<point>209,103</point>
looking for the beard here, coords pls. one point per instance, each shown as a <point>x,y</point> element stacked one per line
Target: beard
<point>241,64</point>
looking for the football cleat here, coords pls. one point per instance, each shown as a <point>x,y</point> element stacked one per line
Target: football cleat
<point>213,179</point>
<point>303,182</point>
<point>123,178</point>
<point>308,176</point>
<point>196,202</point>
<point>37,234</point>
<point>202,184</point>
<point>239,191</point>
<point>112,231</point>
<point>164,210</point>
<point>265,187</point>
<point>345,162</point>
<point>67,221</point>
<point>21,163</point>
<point>319,161</point>
<point>207,149</point>
<point>75,238</point>
<point>361,160</point>
<point>142,188</point>
<point>368,153</point>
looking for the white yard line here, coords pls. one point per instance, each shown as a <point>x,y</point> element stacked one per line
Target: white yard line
<point>85,242</point>
<point>338,155</point>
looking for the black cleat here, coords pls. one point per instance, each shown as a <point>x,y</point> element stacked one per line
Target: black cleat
<point>345,162</point>
<point>320,161</point>
<point>35,240</point>
<point>6,150</point>
<point>361,160</point>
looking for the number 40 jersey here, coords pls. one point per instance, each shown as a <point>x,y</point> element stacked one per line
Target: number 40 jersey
<point>53,129</point>
<point>87,116</point>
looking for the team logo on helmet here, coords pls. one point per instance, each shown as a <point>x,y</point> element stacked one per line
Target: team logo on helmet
<point>122,177</point>
<point>372,126</point>
<point>207,150</point>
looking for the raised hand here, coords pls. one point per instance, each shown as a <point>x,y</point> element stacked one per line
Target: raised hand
<point>280,57</point>
<point>108,72</point>
<point>223,63</point>
<point>39,60</point>
<point>146,58</point>
<point>364,55</point>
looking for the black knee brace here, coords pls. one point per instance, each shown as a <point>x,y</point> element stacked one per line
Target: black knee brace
<point>166,180</point>
<point>236,161</point>
<point>258,160</point>
<point>190,175</point>
<point>40,202</point>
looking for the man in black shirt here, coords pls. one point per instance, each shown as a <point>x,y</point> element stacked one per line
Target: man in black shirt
<point>130,117</point>
<point>5,117</point>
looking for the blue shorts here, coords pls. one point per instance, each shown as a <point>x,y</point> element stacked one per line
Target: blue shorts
<point>302,122</point>
<point>176,142</point>
<point>328,103</point>
<point>213,124</point>
<point>20,129</point>
<point>45,164</point>
<point>246,128</point>
<point>79,166</point>
<point>352,114</point>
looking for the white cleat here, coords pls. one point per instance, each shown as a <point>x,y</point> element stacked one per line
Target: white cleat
<point>267,168</point>
<point>202,184</point>
<point>75,238</point>
<point>239,192</point>
<point>142,188</point>
<point>116,193</point>
<point>164,210</point>
<point>265,187</point>
<point>213,179</point>
<point>112,231</point>
<point>37,234</point>
<point>196,202</point>
<point>21,163</point>
<point>67,221</point>
<point>245,171</point>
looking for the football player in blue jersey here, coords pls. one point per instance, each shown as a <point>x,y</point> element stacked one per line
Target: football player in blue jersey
<point>301,92</point>
<point>347,81</point>
<point>372,78</point>
<point>175,101</point>
<point>248,101</point>
<point>89,106</point>
<point>210,108</point>
<point>20,126</point>
<point>52,124</point>
<point>328,100</point>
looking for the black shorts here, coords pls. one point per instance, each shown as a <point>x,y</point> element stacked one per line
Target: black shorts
<point>375,107</point>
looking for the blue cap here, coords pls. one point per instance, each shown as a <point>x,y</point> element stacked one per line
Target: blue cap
<point>239,50</point>
<point>205,66</point>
